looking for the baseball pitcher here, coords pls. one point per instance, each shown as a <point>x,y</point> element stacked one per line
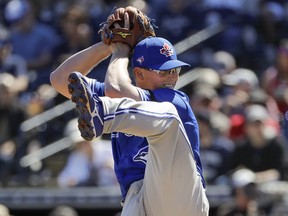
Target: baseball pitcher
<point>155,135</point>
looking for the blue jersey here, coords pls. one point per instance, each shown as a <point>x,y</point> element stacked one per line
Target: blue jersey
<point>130,151</point>
<point>181,101</point>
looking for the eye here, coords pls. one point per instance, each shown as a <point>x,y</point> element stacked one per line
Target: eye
<point>175,70</point>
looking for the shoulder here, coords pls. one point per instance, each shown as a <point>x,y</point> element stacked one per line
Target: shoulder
<point>15,59</point>
<point>166,94</point>
<point>177,98</point>
<point>277,142</point>
<point>44,28</point>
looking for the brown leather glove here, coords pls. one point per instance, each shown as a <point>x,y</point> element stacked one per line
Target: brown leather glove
<point>140,27</point>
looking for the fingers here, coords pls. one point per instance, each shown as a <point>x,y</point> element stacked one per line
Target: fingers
<point>126,21</point>
<point>118,12</point>
<point>110,18</point>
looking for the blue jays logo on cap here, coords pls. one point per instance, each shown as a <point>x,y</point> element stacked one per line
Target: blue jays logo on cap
<point>156,53</point>
<point>166,50</point>
<point>140,60</point>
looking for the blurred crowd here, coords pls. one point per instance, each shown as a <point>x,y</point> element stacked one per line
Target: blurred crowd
<point>240,95</point>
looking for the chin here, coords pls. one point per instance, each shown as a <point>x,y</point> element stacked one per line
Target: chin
<point>169,86</point>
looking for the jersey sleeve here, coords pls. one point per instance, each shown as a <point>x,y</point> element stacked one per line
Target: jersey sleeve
<point>144,94</point>
<point>99,88</point>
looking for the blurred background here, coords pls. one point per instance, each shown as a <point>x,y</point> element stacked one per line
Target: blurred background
<point>238,89</point>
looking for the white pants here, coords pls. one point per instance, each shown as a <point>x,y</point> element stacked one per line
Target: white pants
<point>171,186</point>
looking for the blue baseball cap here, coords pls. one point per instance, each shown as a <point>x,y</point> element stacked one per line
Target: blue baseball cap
<point>15,10</point>
<point>156,53</point>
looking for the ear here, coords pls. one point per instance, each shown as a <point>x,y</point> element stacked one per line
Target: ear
<point>138,73</point>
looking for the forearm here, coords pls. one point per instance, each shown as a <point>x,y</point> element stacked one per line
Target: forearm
<point>82,62</point>
<point>117,81</point>
<point>117,72</point>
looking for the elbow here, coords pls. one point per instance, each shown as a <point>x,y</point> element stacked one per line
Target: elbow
<point>112,92</point>
<point>53,79</point>
<point>60,83</point>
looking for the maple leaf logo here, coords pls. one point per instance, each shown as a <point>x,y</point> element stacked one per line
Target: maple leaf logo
<point>166,50</point>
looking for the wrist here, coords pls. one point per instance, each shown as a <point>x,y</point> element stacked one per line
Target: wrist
<point>103,48</point>
<point>120,49</point>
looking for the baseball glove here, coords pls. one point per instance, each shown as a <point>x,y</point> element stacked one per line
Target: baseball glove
<point>141,26</point>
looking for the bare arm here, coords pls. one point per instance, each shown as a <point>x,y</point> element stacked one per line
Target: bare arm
<point>82,62</point>
<point>117,81</point>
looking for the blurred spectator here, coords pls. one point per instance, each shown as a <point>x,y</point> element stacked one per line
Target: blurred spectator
<point>177,20</point>
<point>258,96</point>
<point>63,210</point>
<point>37,102</point>
<point>99,10</point>
<point>237,86</point>
<point>208,76</point>
<point>7,154</point>
<point>261,150</point>
<point>205,99</point>
<point>78,25</point>
<point>140,4</point>
<point>32,40</point>
<point>75,30</point>
<point>239,36</point>
<point>275,79</point>
<point>11,111</point>
<point>215,149</point>
<point>89,164</point>
<point>11,63</point>
<point>12,114</point>
<point>41,100</point>
<point>252,46</point>
<point>245,196</point>
<point>223,62</point>
<point>232,5</point>
<point>207,82</point>
<point>14,174</point>
<point>271,21</point>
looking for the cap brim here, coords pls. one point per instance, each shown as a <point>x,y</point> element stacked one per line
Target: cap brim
<point>169,65</point>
